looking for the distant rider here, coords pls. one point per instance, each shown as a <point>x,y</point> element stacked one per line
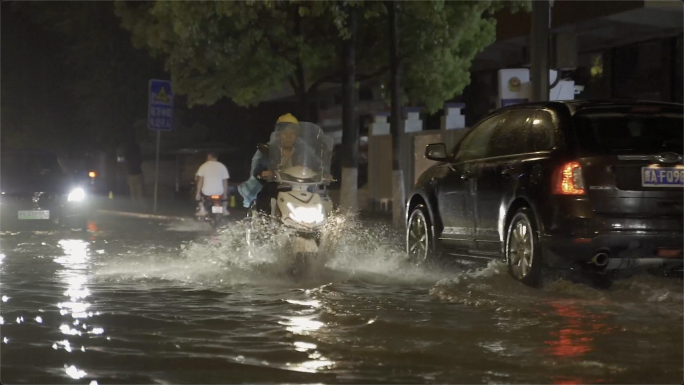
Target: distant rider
<point>212,180</point>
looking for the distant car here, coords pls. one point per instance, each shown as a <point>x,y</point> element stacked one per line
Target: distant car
<point>36,192</point>
<point>85,172</point>
<point>561,184</point>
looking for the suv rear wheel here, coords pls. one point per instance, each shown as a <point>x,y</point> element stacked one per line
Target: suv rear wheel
<point>523,252</point>
<point>419,243</point>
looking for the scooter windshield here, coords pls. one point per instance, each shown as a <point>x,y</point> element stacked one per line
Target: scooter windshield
<point>300,153</point>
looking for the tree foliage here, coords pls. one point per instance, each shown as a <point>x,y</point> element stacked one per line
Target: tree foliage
<point>248,50</point>
<point>438,43</point>
<point>241,50</point>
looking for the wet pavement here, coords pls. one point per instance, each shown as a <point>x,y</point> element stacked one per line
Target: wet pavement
<point>148,301</point>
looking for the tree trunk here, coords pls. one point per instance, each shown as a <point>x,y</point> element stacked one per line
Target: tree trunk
<point>398,195</point>
<point>540,50</point>
<point>303,96</point>
<point>350,130</point>
<point>300,82</point>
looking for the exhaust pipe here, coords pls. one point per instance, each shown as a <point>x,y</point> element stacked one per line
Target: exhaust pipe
<point>600,259</point>
<point>603,262</point>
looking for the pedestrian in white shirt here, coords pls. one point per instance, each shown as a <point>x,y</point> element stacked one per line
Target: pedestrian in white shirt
<point>212,180</point>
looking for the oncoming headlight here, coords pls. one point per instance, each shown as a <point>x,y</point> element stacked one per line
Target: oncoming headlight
<point>306,214</point>
<point>76,195</point>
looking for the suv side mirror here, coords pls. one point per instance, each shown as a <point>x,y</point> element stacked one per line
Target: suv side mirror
<point>436,151</point>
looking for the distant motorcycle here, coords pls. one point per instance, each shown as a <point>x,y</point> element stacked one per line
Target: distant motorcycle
<point>211,210</point>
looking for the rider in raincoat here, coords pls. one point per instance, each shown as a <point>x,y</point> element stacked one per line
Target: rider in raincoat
<point>286,148</point>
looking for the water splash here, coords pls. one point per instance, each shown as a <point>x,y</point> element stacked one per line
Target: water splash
<point>374,251</point>
<point>487,287</point>
<point>492,287</point>
<point>189,226</point>
<point>352,249</point>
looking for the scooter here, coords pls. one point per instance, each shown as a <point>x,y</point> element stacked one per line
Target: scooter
<point>301,207</point>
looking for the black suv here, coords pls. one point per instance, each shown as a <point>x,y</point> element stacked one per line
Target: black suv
<point>562,184</point>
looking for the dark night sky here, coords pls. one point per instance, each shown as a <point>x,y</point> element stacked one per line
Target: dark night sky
<point>38,101</point>
<point>32,74</point>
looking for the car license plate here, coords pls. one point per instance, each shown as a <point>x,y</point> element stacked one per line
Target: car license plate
<point>217,209</point>
<point>34,214</point>
<point>662,177</point>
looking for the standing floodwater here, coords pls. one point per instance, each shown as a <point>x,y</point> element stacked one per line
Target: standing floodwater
<point>134,301</point>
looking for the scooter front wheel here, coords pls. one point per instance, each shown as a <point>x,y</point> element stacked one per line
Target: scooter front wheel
<point>301,265</point>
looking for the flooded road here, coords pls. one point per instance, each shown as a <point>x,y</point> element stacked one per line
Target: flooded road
<point>134,301</point>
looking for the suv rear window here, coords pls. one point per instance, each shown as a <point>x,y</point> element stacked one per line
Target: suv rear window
<point>639,129</point>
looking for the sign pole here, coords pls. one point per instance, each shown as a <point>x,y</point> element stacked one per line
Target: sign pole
<point>156,174</point>
<point>159,118</point>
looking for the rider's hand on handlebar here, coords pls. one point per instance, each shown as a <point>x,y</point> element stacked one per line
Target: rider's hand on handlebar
<point>266,174</point>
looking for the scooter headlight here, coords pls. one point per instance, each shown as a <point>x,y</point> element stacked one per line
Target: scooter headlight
<point>306,214</point>
<point>76,195</point>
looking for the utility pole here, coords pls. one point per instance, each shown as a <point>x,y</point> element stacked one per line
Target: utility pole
<point>541,28</point>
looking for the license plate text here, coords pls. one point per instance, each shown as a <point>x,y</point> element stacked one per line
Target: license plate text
<point>34,214</point>
<point>662,177</point>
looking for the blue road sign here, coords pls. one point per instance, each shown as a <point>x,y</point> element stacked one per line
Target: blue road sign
<point>160,106</point>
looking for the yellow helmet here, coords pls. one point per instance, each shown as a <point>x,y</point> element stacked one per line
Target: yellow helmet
<point>287,118</point>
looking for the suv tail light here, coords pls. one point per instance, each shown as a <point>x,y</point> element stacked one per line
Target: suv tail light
<point>568,180</point>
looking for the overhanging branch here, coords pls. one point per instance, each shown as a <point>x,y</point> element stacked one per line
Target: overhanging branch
<point>294,85</point>
<point>333,78</point>
<point>381,71</point>
<point>336,78</point>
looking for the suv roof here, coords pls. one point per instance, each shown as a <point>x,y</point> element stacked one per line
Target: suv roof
<point>27,151</point>
<point>575,105</point>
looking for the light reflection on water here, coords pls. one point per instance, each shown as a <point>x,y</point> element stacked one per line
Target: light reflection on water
<point>308,326</point>
<point>74,372</point>
<point>301,325</point>
<point>578,331</point>
<point>74,275</point>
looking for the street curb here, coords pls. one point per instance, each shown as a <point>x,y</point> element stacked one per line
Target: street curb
<point>142,216</point>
